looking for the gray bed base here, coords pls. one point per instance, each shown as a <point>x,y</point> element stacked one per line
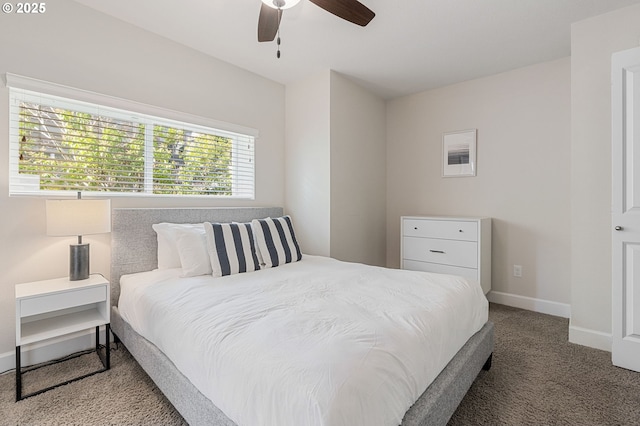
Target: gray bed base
<point>133,240</point>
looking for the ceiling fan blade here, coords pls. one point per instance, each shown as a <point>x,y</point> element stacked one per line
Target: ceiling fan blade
<point>268,23</point>
<point>350,10</point>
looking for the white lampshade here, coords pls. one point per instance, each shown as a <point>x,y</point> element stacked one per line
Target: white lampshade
<point>281,4</point>
<point>78,217</point>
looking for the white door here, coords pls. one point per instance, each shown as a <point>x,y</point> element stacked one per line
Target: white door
<point>625,218</point>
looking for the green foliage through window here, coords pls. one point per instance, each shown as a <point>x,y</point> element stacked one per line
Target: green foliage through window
<point>61,148</point>
<point>190,162</point>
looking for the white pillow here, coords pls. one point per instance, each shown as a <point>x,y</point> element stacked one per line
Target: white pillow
<point>276,240</point>
<point>192,248</point>
<point>231,248</point>
<point>168,256</point>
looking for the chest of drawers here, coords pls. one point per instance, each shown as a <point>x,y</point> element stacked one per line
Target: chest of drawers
<point>448,245</point>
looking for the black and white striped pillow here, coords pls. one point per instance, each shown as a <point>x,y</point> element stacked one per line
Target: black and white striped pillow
<point>231,248</point>
<point>276,241</point>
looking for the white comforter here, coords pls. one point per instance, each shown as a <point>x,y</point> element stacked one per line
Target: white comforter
<point>317,342</point>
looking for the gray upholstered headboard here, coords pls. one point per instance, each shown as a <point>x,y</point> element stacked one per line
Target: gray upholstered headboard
<point>134,243</point>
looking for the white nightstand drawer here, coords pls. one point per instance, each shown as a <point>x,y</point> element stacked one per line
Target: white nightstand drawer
<point>415,265</point>
<point>446,252</point>
<point>450,230</point>
<point>63,300</point>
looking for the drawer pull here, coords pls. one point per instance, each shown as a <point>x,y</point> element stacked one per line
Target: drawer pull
<point>436,251</point>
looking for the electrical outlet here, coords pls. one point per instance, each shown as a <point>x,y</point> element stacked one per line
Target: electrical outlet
<point>517,271</point>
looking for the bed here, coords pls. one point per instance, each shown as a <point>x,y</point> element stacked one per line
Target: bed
<point>134,256</point>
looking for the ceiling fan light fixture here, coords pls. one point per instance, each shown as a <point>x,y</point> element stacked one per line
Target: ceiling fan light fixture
<point>281,4</point>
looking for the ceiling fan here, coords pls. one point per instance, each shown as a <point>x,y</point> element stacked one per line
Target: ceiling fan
<point>271,14</point>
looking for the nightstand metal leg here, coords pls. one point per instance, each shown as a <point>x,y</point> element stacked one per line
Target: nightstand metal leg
<point>18,375</point>
<point>105,359</point>
<point>107,345</point>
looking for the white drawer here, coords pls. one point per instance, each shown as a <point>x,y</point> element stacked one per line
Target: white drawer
<point>446,252</point>
<point>450,230</point>
<point>468,273</point>
<point>62,300</point>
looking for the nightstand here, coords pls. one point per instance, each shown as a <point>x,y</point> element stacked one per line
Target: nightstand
<point>52,308</point>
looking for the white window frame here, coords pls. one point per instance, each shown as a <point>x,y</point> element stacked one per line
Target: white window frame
<point>32,90</point>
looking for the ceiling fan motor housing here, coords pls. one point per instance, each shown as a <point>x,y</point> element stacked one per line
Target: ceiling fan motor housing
<point>281,4</point>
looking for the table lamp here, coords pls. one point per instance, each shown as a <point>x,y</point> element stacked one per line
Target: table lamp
<point>78,217</point>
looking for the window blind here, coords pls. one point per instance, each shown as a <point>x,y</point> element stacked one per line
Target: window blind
<point>60,144</point>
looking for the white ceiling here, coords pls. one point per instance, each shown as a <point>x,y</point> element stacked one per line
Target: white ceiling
<point>410,46</point>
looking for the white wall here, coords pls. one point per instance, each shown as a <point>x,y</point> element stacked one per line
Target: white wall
<point>335,162</point>
<point>523,157</point>
<point>592,43</point>
<point>358,173</point>
<point>76,46</point>
<point>307,162</point>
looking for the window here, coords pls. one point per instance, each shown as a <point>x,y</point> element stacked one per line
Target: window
<point>61,144</point>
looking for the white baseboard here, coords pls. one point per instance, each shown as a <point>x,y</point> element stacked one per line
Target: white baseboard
<point>50,349</point>
<point>577,335</point>
<point>591,338</point>
<point>529,303</point>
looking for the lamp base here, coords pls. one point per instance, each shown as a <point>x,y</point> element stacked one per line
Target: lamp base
<point>78,262</point>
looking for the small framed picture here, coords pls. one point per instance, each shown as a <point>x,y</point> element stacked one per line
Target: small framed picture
<point>459,153</point>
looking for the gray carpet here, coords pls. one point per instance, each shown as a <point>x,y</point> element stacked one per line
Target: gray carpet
<point>537,378</point>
